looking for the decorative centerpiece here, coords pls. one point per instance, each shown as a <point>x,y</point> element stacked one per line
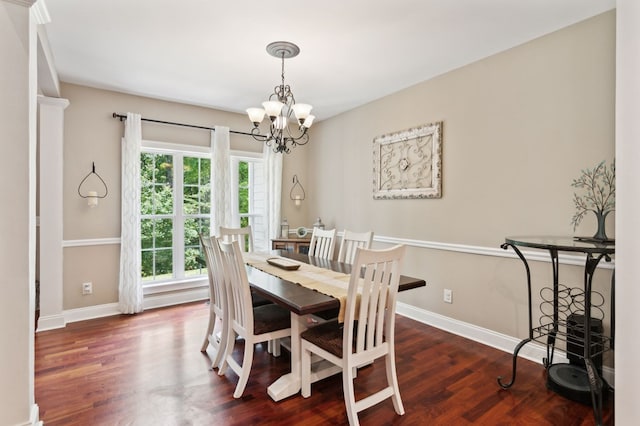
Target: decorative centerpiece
<point>598,187</point>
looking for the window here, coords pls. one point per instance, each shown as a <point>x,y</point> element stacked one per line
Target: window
<point>175,209</point>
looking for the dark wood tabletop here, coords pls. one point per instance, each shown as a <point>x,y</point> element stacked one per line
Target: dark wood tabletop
<point>302,300</point>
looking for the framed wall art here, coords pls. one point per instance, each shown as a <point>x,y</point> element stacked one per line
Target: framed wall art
<point>408,164</point>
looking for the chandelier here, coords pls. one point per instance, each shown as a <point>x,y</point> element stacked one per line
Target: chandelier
<point>284,131</point>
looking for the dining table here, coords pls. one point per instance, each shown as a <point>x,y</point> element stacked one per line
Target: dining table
<point>304,304</point>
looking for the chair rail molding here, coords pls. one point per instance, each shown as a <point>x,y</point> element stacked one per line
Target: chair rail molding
<point>91,242</point>
<point>538,256</point>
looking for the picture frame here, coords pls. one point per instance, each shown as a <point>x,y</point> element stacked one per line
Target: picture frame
<point>408,163</point>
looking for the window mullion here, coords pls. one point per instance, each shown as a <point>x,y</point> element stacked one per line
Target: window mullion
<point>178,214</point>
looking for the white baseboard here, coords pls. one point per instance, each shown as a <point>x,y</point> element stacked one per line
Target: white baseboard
<point>532,351</point>
<point>91,312</point>
<point>109,309</point>
<point>50,322</point>
<point>34,417</point>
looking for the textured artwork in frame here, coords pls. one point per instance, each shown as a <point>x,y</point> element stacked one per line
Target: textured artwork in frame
<point>408,164</point>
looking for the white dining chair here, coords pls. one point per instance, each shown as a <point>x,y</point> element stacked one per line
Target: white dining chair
<point>217,300</point>
<point>350,242</point>
<point>253,324</point>
<point>367,333</point>
<point>243,235</point>
<point>322,244</point>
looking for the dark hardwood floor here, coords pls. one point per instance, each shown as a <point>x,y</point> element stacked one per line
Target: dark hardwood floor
<point>147,369</point>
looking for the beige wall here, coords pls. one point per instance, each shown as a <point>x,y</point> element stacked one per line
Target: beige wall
<point>518,127</point>
<point>93,135</point>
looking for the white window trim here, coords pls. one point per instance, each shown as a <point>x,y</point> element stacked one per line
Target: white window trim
<point>179,150</point>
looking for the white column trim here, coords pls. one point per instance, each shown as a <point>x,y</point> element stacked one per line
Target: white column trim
<point>51,140</point>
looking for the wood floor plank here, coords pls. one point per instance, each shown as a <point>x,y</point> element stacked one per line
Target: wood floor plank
<point>147,369</point>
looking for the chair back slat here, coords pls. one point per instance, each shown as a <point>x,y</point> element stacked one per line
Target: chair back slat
<point>244,236</point>
<point>217,293</point>
<point>350,242</point>
<point>377,274</point>
<point>237,285</point>
<point>322,243</point>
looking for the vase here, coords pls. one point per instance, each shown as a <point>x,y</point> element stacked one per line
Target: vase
<point>601,232</point>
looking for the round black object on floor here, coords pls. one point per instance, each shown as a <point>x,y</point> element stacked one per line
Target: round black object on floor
<point>571,381</point>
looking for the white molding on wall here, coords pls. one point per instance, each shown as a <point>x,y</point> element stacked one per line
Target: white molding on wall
<point>532,351</point>
<point>531,255</point>
<point>34,416</point>
<point>538,256</point>
<point>110,309</point>
<point>51,322</point>
<point>91,312</point>
<point>91,242</point>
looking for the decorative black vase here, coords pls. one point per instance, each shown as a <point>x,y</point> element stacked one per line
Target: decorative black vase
<point>601,234</point>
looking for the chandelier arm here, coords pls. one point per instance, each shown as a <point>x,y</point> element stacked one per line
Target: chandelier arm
<point>255,133</point>
<point>302,140</point>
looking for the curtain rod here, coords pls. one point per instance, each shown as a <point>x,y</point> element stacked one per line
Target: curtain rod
<point>123,117</point>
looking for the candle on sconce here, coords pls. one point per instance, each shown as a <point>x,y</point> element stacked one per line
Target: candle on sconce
<point>297,200</point>
<point>92,198</point>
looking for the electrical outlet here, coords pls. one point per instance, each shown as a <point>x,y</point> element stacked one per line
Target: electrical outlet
<point>87,288</point>
<point>448,295</point>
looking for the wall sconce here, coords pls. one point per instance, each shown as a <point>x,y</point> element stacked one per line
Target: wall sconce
<point>92,196</point>
<point>297,198</point>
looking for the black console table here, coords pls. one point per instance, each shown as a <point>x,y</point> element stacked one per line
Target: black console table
<point>566,313</point>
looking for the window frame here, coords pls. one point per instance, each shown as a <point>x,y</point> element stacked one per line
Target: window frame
<point>178,151</point>
<point>235,157</point>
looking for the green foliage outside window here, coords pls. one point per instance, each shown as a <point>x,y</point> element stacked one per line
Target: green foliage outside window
<point>156,198</point>
<point>158,217</point>
<point>197,202</point>
<point>243,192</point>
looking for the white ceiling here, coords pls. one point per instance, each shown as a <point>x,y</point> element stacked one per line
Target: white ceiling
<point>212,52</point>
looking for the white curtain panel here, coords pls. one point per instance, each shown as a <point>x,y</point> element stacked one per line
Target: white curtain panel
<point>130,296</point>
<point>220,179</point>
<point>273,180</point>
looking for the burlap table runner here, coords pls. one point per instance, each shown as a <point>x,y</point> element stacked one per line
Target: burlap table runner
<point>325,281</point>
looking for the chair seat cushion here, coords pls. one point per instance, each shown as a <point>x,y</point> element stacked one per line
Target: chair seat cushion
<point>271,317</point>
<point>327,336</point>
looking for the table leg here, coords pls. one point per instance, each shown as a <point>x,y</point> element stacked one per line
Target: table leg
<point>289,384</point>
